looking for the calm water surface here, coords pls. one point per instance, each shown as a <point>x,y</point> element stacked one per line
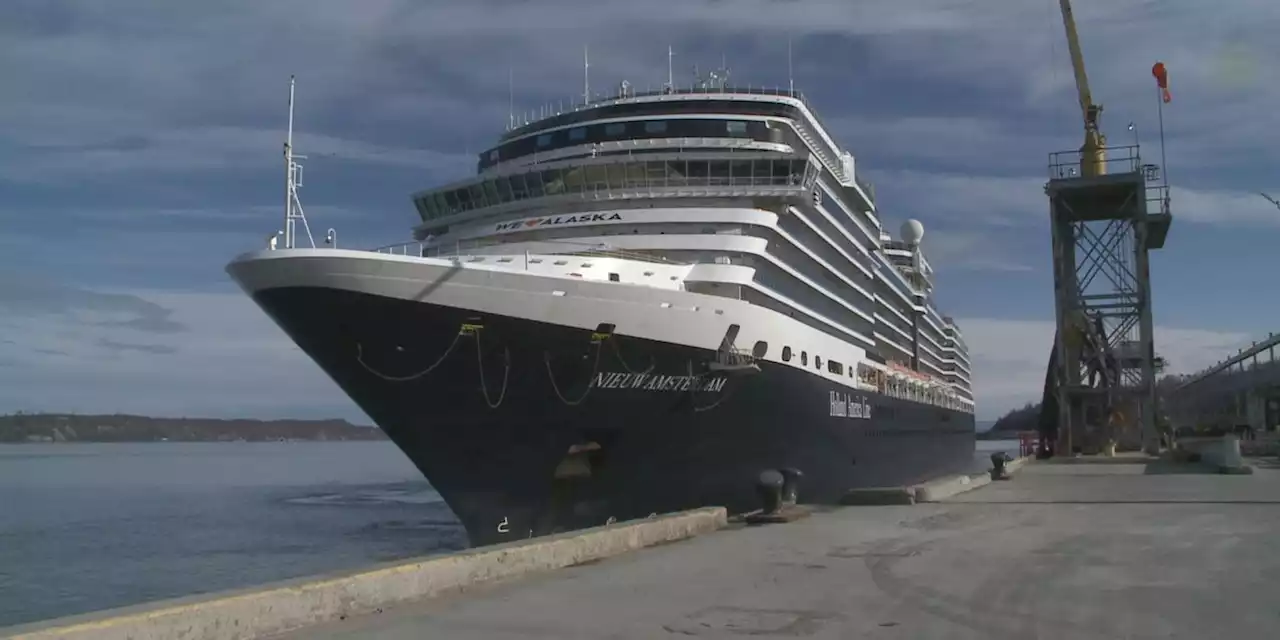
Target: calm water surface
<point>93,526</point>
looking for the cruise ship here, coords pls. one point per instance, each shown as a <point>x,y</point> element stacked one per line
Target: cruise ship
<point>637,305</point>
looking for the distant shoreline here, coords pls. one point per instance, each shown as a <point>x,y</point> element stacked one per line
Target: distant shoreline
<point>49,428</point>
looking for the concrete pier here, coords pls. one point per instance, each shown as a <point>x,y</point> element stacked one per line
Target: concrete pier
<point>1125,549</point>
<point>1074,548</point>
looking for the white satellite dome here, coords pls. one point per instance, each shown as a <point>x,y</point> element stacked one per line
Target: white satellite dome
<point>912,232</point>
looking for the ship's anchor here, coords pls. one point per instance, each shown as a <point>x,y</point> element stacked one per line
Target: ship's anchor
<point>728,362</point>
<point>603,332</point>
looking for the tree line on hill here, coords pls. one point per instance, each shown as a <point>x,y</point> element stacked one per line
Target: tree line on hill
<point>1027,417</point>
<point>64,427</point>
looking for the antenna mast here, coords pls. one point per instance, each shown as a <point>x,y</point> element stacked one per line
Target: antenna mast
<point>293,180</point>
<point>791,76</point>
<point>671,78</point>
<point>586,77</point>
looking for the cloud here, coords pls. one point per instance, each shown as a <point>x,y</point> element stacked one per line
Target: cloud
<point>33,297</point>
<point>155,349</point>
<point>1010,356</point>
<point>158,152</point>
<point>240,364</point>
<point>953,251</point>
<point>1217,206</point>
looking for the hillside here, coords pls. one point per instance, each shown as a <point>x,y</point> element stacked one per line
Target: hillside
<point>1027,418</point>
<point>57,427</point>
<point>1023,419</point>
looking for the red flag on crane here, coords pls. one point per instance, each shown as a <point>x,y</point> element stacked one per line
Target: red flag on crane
<point>1162,81</point>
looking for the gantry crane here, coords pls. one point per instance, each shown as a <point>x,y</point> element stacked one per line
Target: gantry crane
<point>1100,382</point>
<point>1093,153</point>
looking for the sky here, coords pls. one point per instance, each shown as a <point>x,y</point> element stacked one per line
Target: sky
<point>140,142</point>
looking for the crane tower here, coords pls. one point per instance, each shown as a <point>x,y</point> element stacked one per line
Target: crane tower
<point>1107,210</point>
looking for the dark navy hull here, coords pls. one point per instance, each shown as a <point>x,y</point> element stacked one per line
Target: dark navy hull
<point>490,426</point>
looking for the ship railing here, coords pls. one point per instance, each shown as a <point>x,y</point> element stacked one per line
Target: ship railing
<point>915,389</point>
<point>868,187</point>
<point>1119,159</point>
<point>623,96</point>
<point>481,249</point>
<point>627,94</point>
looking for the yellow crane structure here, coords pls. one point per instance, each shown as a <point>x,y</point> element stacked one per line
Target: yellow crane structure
<point>1099,390</point>
<point>1093,153</point>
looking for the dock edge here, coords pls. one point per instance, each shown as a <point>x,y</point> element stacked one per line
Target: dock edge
<point>256,612</point>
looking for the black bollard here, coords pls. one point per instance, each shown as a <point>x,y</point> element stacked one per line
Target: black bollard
<point>790,485</point>
<point>998,460</point>
<point>769,488</point>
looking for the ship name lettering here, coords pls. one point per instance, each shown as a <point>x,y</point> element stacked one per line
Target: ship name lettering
<point>551,221</point>
<point>657,382</point>
<point>844,405</point>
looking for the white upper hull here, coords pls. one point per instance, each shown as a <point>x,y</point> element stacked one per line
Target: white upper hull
<point>664,314</point>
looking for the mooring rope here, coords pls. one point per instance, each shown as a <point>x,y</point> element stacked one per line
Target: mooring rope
<point>546,357</point>
<point>408,378</point>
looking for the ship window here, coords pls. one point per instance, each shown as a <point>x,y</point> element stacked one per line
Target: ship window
<point>817,362</point>
<point>719,172</point>
<point>533,181</point>
<point>760,350</point>
<point>491,192</point>
<point>835,367</point>
<point>544,140</point>
<point>736,127</point>
<point>455,200</point>
<point>552,182</point>
<point>615,128</point>
<point>578,133</point>
<point>513,184</point>
<point>804,358</point>
<point>617,175</point>
<point>655,126</point>
<point>493,156</point>
<point>442,204</point>
<point>786,354</point>
<point>613,277</point>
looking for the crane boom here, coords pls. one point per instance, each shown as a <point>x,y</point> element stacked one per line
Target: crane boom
<point>1093,156</point>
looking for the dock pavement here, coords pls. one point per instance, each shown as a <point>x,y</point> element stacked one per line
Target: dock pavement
<point>1110,548</point>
